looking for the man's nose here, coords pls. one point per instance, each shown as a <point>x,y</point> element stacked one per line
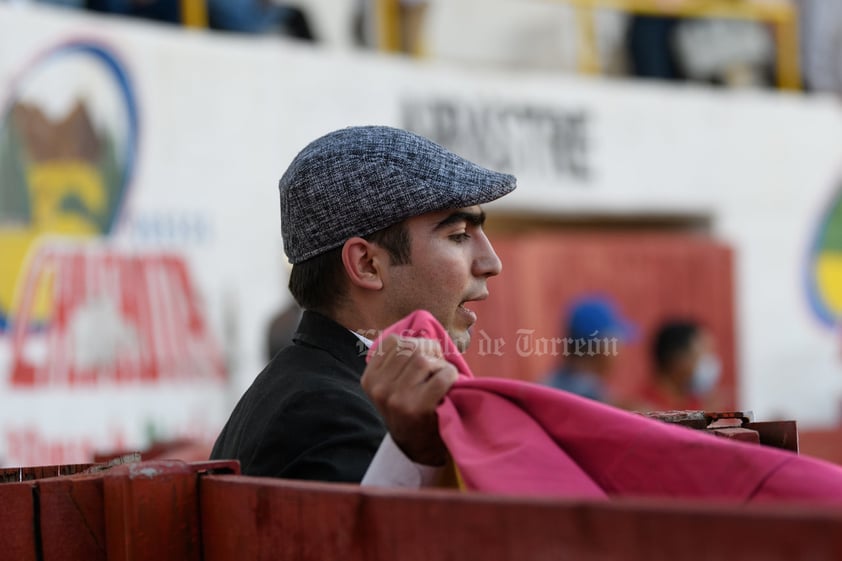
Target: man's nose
<point>486,263</point>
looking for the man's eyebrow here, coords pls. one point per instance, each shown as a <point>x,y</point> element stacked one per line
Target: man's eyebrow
<point>472,218</point>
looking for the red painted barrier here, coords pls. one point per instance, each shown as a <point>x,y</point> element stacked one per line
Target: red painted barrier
<point>71,518</point>
<point>17,520</point>
<point>263,519</point>
<point>134,511</point>
<point>152,511</point>
<point>168,510</point>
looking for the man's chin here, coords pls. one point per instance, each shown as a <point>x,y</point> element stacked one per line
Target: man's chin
<point>461,339</point>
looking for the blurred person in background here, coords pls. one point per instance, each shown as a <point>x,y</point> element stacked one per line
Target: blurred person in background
<point>687,369</point>
<point>259,16</point>
<point>821,44</point>
<point>594,331</point>
<point>715,51</point>
<point>243,16</point>
<point>649,45</point>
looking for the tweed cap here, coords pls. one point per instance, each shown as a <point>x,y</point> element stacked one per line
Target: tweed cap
<point>358,180</point>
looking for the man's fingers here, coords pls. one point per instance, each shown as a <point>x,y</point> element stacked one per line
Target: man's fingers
<point>407,346</point>
<point>439,383</point>
<point>408,383</point>
<point>407,378</point>
<point>405,356</point>
<point>422,399</point>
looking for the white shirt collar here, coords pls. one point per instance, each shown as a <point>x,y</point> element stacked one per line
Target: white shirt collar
<point>366,341</point>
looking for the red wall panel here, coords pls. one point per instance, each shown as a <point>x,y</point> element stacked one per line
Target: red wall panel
<point>651,276</point>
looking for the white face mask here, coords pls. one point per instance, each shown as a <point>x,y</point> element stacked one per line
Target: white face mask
<point>706,374</point>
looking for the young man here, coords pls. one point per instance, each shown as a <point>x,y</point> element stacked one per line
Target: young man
<point>377,222</point>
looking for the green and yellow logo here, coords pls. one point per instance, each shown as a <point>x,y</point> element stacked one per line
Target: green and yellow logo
<point>825,266</point>
<point>66,157</point>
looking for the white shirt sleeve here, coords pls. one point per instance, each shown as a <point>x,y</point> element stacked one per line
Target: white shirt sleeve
<point>391,468</point>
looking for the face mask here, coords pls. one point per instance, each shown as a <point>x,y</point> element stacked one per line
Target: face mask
<point>706,375</point>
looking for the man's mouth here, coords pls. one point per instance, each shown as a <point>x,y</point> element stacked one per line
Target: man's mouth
<point>469,315</point>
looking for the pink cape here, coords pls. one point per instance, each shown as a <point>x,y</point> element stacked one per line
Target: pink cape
<point>513,437</point>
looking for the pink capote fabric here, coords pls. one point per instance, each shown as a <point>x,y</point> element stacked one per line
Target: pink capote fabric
<point>513,437</point>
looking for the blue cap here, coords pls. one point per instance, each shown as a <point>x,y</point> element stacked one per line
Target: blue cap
<point>598,317</point>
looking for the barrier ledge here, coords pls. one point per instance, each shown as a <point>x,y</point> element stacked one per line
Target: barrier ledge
<point>135,511</point>
<point>261,519</point>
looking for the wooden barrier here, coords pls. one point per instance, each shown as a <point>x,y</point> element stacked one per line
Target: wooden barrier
<point>256,519</point>
<point>152,512</point>
<point>137,511</point>
<point>165,510</point>
<point>71,518</point>
<point>17,512</point>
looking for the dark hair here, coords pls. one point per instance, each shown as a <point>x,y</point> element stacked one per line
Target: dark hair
<point>319,283</point>
<point>673,339</point>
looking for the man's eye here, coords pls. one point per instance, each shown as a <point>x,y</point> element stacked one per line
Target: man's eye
<point>460,237</point>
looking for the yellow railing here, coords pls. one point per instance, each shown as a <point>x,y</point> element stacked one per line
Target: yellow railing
<point>388,25</point>
<point>194,13</point>
<point>781,15</point>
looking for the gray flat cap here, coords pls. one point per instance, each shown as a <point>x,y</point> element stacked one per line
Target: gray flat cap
<point>358,180</point>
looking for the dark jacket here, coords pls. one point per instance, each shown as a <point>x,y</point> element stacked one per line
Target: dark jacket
<point>306,416</point>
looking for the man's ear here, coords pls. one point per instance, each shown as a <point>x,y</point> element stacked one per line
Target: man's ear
<point>363,260</point>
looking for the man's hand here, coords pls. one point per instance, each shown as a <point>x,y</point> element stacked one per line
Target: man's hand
<point>406,379</point>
